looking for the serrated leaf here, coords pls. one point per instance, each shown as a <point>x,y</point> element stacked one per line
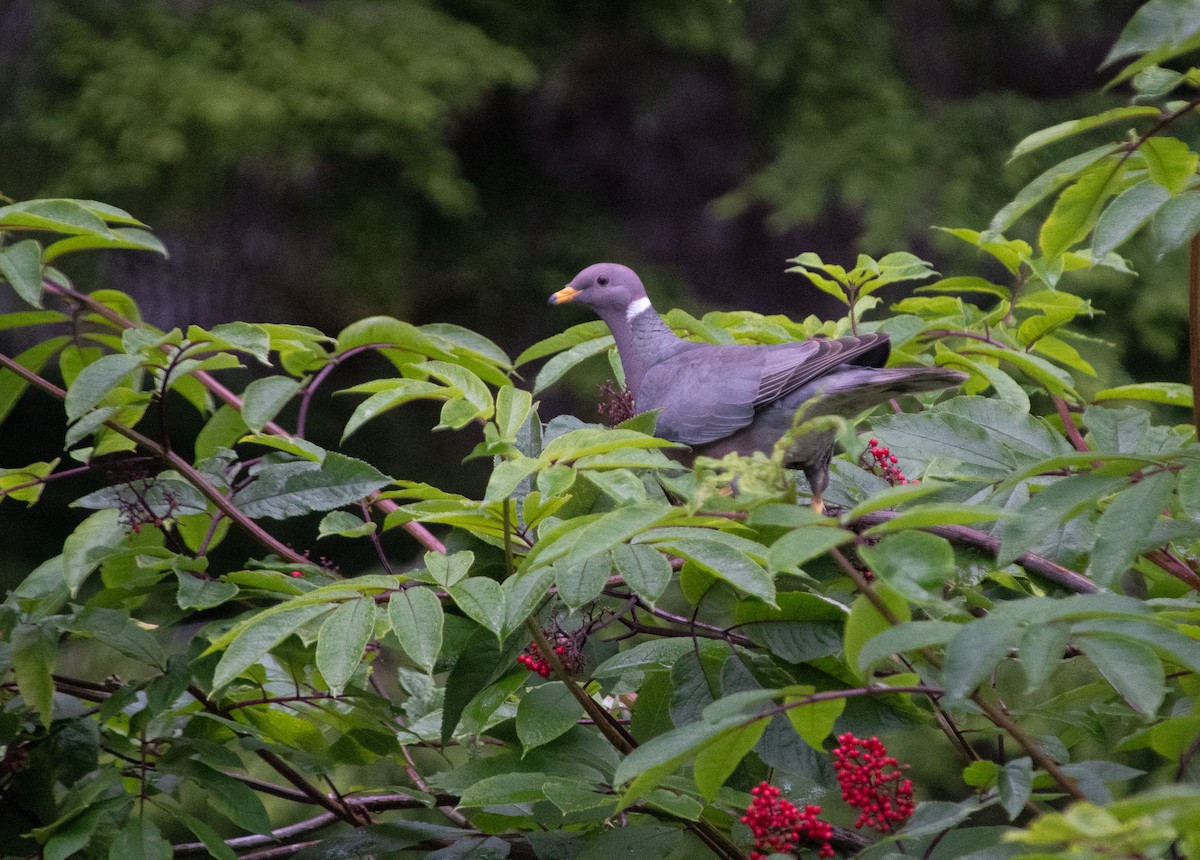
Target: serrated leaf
<point>259,637</point>
<point>975,651</point>
<point>264,398</point>
<point>814,721</point>
<point>504,789</point>
<point>91,542</point>
<point>344,524</point>
<point>283,490</point>
<point>417,620</point>
<point>21,266</point>
<point>97,380</point>
<point>1176,222</point>
<point>801,545</point>
<point>1042,187</point>
<point>1077,208</point>
<point>644,569</point>
<point>715,762</point>
<point>482,600</point>
<point>546,712</point>
<point>1171,162</point>
<point>580,582</point>
<point>1131,667</point>
<point>1170,393</point>
<point>726,562</point>
<point>34,649</point>
<point>1126,214</point>
<point>341,640</point>
<point>902,638</point>
<point>1076,126</point>
<point>865,621</point>
<point>1124,525</point>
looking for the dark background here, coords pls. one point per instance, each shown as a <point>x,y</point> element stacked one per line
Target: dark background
<point>317,162</point>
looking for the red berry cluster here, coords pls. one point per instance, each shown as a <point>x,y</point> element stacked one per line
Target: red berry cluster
<point>885,463</point>
<point>872,781</point>
<point>531,658</point>
<point>616,404</point>
<point>777,824</point>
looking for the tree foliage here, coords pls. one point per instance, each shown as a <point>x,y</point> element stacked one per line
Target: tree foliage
<point>1026,609</point>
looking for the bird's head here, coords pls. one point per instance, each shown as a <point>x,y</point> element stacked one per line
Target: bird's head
<point>608,289</point>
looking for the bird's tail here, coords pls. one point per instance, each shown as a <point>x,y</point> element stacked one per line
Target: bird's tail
<point>852,390</point>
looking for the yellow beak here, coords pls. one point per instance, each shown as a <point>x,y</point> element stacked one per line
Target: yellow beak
<point>566,294</point>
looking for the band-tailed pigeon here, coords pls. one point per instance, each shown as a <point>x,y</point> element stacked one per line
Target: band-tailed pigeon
<point>726,398</point>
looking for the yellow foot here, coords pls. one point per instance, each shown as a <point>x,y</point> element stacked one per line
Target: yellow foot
<point>818,505</point>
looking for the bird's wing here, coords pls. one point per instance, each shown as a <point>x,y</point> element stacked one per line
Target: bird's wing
<point>710,392</point>
<point>790,366</point>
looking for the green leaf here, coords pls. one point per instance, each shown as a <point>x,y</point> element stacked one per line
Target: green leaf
<point>546,712</point>
<point>398,392</point>
<point>59,215</point>
<point>1041,188</point>
<point>259,637</point>
<point>264,398</point>
<point>581,582</point>
<point>1130,666</point>
<point>916,564</point>
<point>573,336</point>
<point>34,649</point>
<point>909,636</point>
<point>644,569</point>
<point>588,441</point>
<point>814,721</point>
<point>13,386</point>
<point>650,763</point>
<point>1125,524</point>
<point>554,369</point>
<point>645,656</point>
<point>804,544</point>
<point>1170,393</point>
<point>473,390</point>
<point>727,563</point>
<point>96,380</point>
<point>975,651</point>
<point>1126,214</point>
<point>966,284</point>
<point>1076,126</point>
<point>283,490</point>
<point>1041,650</point>
<point>448,568</point>
<point>803,627</point>
<point>1176,222</point>
<point>140,839</point>
<point>505,789</point>
<point>523,593</point>
<point>119,238</point>
<point>717,761</point>
<point>21,266</point>
<point>935,514</point>
<point>865,622</point>
<point>197,593</point>
<point>1078,207</point>
<point>513,406</point>
<point>1015,784</point>
<point>92,541</point>
<point>417,620</point>
<point>341,640</point>
<point>1155,25</point>
<point>482,600</point>
<point>1171,163</point>
<point>344,524</point>
<point>507,476</point>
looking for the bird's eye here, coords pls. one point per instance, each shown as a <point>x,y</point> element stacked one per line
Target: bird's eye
<point>602,280</point>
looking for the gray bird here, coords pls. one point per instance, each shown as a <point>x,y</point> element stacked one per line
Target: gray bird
<point>720,399</point>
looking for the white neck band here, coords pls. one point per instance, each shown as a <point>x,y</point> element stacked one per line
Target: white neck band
<point>636,307</point>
